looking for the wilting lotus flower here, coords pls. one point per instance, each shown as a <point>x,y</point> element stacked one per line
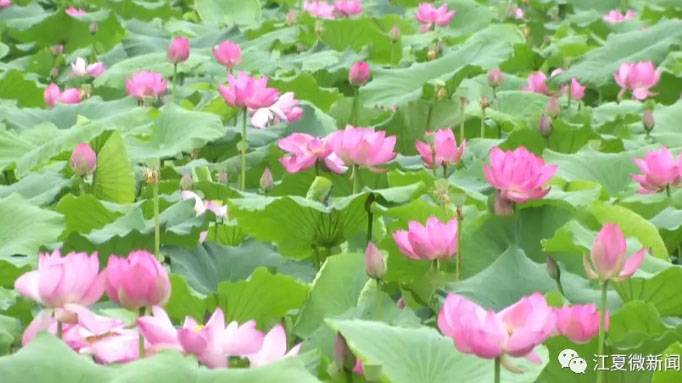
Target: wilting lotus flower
<point>80,68</point>
<point>537,83</point>
<point>577,90</point>
<point>638,77</point>
<point>5,3</point>
<point>274,348</point>
<point>306,151</point>
<point>429,16</point>
<point>608,256</point>
<point>245,91</point>
<point>63,280</point>
<point>579,323</point>
<point>518,175</point>
<point>495,78</point>
<point>146,84</point>
<point>319,9</point>
<point>515,331</point>
<point>445,145</point>
<point>615,16</point>
<point>53,95</point>
<point>659,170</point>
<point>359,74</point>
<point>285,109</point>
<point>47,320</point>
<point>363,147</point>
<point>137,281</point>
<point>436,240</point>
<point>348,8</point>
<point>83,160</point>
<point>73,11</point>
<point>178,50</point>
<point>375,264</point>
<point>228,54</point>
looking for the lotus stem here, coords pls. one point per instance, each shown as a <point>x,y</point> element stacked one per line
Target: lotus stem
<point>602,332</point>
<point>354,111</point>
<point>157,223</point>
<point>497,369</point>
<point>175,81</point>
<point>482,123</point>
<point>461,121</point>
<point>355,174</point>
<point>378,301</point>
<point>244,144</point>
<point>140,336</point>
<point>60,328</point>
<point>82,186</point>
<point>458,261</point>
<point>668,192</point>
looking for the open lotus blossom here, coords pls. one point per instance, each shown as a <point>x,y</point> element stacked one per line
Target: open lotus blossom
<point>146,84</point>
<point>638,77</point>
<point>53,96</point>
<point>363,147</point>
<point>348,8</point>
<point>80,68</point>
<point>228,54</point>
<point>608,259</point>
<point>245,91</point>
<point>47,320</point>
<point>83,160</point>
<point>5,3</point>
<point>577,90</point>
<point>200,206</point>
<point>579,323</point>
<point>137,281</point>
<point>615,16</point>
<point>537,83</point>
<point>73,11</point>
<point>178,50</point>
<point>59,280</point>
<point>285,109</point>
<point>319,8</point>
<point>436,240</point>
<point>429,16</point>
<point>274,348</point>
<point>307,151</point>
<point>518,174</point>
<point>446,150</point>
<point>514,331</point>
<point>660,170</point>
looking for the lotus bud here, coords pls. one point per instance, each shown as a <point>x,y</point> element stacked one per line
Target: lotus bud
<point>93,28</point>
<point>545,126</point>
<point>266,181</point>
<point>343,357</point>
<point>495,78</point>
<point>401,303</point>
<point>222,177</point>
<point>503,206</point>
<point>375,264</point>
<point>186,182</point>
<point>57,49</point>
<point>431,55</point>
<point>54,73</point>
<point>151,176</point>
<point>441,93</point>
<point>291,18</point>
<point>553,269</point>
<point>394,34</point>
<point>359,74</point>
<point>178,50</point>
<point>552,109</point>
<point>83,160</point>
<point>648,120</point>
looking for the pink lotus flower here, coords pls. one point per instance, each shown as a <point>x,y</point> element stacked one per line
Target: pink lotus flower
<point>146,84</point>
<point>608,256</point>
<point>577,90</point>
<point>638,77</point>
<point>363,147</point>
<point>63,280</point>
<point>274,348</point>
<point>5,3</point>
<point>359,74</point>
<point>83,160</point>
<point>306,151</point>
<point>615,16</point>
<point>515,331</point>
<point>429,16</point>
<point>245,91</point>
<point>137,281</point>
<point>445,145</point>
<point>348,8</point>
<point>495,77</point>
<point>200,206</point>
<point>178,50</point>
<point>660,170</point>
<point>436,240</point>
<point>73,11</point>
<point>53,96</point>
<point>80,68</point>
<point>228,54</point>
<point>319,9</point>
<point>285,109</point>
<point>579,323</point>
<point>518,175</point>
<point>537,83</point>
<point>47,320</point>
<point>375,264</point>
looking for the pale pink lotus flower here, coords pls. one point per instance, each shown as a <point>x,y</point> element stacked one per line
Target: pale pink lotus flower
<point>357,369</point>
<point>53,95</point>
<point>348,8</point>
<point>146,84</point>
<point>495,77</point>
<point>514,331</point>
<point>83,160</point>
<point>516,12</point>
<point>363,147</point>
<point>638,77</point>
<point>608,256</point>
<point>245,91</point>
<point>73,11</point>
<point>306,151</point>
<point>518,175</point>
<point>320,9</point>
<point>577,90</point>
<point>615,16</point>
<point>359,74</point>
<point>274,348</point>
<point>80,68</point>
<point>579,323</point>
<point>537,83</point>
<point>285,109</point>
<point>200,206</point>
<point>47,320</point>
<point>445,145</point>
<point>660,170</point>
<point>137,281</point>
<point>178,50</point>
<point>5,3</point>
<point>59,280</point>
<point>430,16</point>
<point>375,264</point>
<point>436,240</point>
<point>228,54</point>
